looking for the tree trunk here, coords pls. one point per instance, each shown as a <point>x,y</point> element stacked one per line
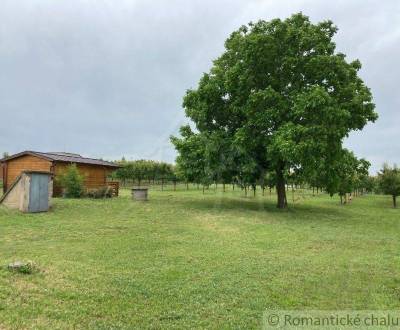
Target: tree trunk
<point>280,188</point>
<point>203,189</point>
<point>187,185</point>
<point>174,185</point>
<point>223,187</point>
<point>293,193</point>
<point>254,191</point>
<point>394,201</point>
<point>262,181</point>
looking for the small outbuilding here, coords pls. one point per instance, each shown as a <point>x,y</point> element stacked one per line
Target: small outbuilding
<point>30,192</point>
<point>94,171</point>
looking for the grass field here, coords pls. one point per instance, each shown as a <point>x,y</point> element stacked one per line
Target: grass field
<point>188,260</point>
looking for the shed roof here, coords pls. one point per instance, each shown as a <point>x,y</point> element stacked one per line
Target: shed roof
<point>63,157</point>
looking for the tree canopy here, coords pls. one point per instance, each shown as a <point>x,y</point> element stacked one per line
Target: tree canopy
<point>279,99</point>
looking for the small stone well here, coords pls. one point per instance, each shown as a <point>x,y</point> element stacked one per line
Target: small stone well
<point>140,193</point>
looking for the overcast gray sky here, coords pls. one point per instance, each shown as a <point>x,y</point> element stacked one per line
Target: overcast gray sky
<point>106,78</point>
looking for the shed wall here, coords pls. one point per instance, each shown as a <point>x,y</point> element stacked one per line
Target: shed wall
<point>25,163</point>
<point>19,195</point>
<point>94,176</point>
<point>13,200</point>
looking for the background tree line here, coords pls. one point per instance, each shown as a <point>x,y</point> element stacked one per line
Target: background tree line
<point>145,172</point>
<point>193,167</point>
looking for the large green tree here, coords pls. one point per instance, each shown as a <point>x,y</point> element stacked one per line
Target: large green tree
<point>281,93</point>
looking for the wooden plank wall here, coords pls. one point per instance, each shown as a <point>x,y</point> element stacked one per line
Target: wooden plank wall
<point>94,176</point>
<point>25,163</point>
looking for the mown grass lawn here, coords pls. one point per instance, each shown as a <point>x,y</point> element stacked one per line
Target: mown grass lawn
<point>188,260</point>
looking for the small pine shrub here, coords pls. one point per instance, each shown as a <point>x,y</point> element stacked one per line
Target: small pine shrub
<point>72,182</point>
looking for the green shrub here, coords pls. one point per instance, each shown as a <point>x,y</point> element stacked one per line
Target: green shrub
<point>72,182</point>
<point>103,192</point>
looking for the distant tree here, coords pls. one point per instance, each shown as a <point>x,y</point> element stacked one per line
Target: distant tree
<point>270,181</point>
<point>191,158</point>
<point>315,178</point>
<point>370,184</point>
<point>174,176</point>
<point>5,154</point>
<point>248,172</point>
<point>164,173</point>
<point>362,176</point>
<point>152,169</point>
<point>181,175</point>
<point>140,170</point>
<point>347,175</point>
<point>124,172</point>
<point>281,93</point>
<point>389,181</point>
<point>293,179</point>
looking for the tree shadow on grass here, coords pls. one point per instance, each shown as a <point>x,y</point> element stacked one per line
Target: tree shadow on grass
<point>241,204</point>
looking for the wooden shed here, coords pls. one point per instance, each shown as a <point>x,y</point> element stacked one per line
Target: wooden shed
<point>30,192</point>
<point>95,171</point>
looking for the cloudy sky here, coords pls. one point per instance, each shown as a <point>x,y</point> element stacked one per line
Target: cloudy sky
<point>105,78</point>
